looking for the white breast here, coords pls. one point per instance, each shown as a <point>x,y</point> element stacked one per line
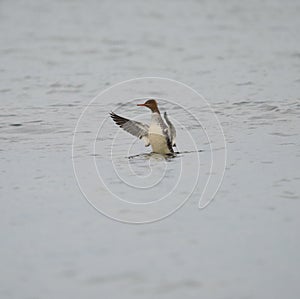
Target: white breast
<point>155,128</point>
<point>157,138</point>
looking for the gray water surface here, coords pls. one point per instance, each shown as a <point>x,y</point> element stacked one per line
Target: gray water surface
<point>243,57</point>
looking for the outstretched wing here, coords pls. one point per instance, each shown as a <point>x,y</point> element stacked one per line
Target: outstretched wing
<point>133,127</point>
<point>171,129</point>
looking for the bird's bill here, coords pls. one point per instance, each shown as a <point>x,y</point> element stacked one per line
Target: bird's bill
<point>141,105</point>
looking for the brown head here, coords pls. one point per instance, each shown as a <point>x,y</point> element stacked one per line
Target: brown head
<point>151,104</point>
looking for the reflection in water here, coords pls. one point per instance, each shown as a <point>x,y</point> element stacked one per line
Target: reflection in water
<point>159,156</point>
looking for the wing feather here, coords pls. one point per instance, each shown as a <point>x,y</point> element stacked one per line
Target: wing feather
<point>133,127</point>
<point>171,129</point>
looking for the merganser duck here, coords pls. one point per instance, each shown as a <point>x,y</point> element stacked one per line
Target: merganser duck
<point>160,134</point>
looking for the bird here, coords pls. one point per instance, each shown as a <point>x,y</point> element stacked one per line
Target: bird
<point>160,134</point>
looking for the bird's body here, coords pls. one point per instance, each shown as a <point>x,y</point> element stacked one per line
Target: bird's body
<point>160,134</point>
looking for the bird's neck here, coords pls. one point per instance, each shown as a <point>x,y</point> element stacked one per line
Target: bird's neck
<point>155,110</point>
<point>155,117</point>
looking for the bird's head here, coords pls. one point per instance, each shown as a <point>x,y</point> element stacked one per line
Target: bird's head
<point>151,104</point>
